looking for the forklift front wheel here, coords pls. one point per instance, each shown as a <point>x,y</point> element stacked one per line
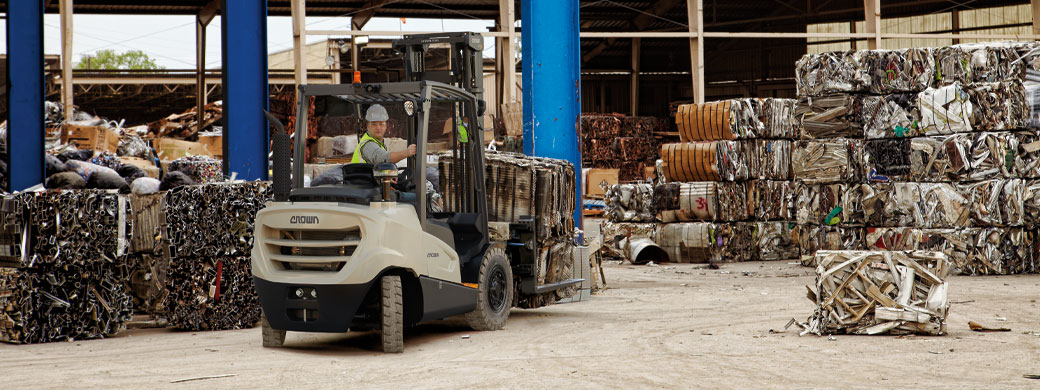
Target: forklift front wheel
<point>392,318</point>
<point>273,338</point>
<point>494,292</point>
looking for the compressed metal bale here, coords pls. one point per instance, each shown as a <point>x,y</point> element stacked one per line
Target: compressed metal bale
<point>891,204</point>
<point>962,108</point>
<point>829,72</point>
<point>990,154</point>
<point>979,62</point>
<point>605,127</point>
<point>778,119</point>
<point>689,242</point>
<point>1031,203</point>
<point>768,159</point>
<point>957,244</point>
<point>1001,251</point>
<point>813,238</point>
<point>770,200</point>
<point>776,241</point>
<point>639,126</point>
<point>902,70</point>
<point>886,160</point>
<point>947,206</point>
<point>826,161</point>
<point>892,238</point>
<point>889,116</point>
<point>940,158</point>
<point>722,120</point>
<point>878,292</point>
<point>701,201</point>
<point>705,161</point>
<point>637,149</point>
<point>1026,150</point>
<point>733,242</point>
<point>820,204</point>
<point>630,203</point>
<point>829,116</point>
<point>996,202</point>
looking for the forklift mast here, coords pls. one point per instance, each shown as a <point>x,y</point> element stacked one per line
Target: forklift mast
<point>466,68</point>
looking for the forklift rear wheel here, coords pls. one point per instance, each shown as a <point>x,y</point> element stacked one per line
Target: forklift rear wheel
<point>494,292</point>
<point>273,338</point>
<point>392,318</point>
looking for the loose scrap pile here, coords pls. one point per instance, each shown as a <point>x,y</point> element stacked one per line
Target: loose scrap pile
<point>625,143</point>
<point>876,292</point>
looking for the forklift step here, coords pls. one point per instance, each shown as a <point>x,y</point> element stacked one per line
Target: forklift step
<point>556,286</point>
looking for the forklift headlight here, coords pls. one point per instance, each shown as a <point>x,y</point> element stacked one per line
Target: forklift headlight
<point>409,107</point>
<point>299,293</point>
<point>314,293</point>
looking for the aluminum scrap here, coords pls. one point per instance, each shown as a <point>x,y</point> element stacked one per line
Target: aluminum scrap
<point>629,203</point>
<point>826,161</point>
<point>889,116</point>
<point>828,116</point>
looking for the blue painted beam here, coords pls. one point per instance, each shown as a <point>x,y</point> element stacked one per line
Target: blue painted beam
<point>552,83</point>
<point>246,135</point>
<point>25,93</point>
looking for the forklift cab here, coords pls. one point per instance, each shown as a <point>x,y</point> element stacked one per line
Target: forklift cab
<point>418,112</point>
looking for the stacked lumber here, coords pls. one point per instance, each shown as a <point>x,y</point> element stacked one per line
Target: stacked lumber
<point>879,292</point>
<point>63,269</point>
<point>616,141</point>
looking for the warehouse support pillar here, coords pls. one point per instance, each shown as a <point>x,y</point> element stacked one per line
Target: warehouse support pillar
<point>552,84</point>
<point>25,93</point>
<point>246,134</point>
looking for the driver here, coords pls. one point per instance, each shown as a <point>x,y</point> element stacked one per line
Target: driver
<point>371,149</point>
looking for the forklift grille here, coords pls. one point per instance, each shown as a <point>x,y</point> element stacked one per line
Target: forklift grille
<point>313,250</point>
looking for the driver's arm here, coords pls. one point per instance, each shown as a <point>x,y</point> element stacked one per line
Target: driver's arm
<point>396,157</point>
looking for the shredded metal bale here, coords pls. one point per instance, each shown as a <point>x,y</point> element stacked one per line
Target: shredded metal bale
<point>890,116</point>
<point>940,158</point>
<point>629,203</point>
<point>945,206</point>
<point>979,62</point>
<point>1031,203</point>
<point>701,201</point>
<point>778,119</point>
<point>733,242</point>
<point>957,244</point>
<point>826,161</point>
<point>890,204</point>
<point>830,72</point>
<point>722,120</point>
<point>768,159</point>
<point>1001,251</point>
<point>771,200</point>
<point>879,292</point>
<point>828,116</point>
<point>996,202</point>
<point>1026,151</point>
<point>892,238</point>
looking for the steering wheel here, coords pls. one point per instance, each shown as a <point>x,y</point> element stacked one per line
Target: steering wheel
<point>404,180</point>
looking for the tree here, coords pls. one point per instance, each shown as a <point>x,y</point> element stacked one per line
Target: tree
<point>110,59</point>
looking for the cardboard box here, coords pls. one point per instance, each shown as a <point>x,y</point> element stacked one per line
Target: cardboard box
<point>94,138</point>
<point>214,145</point>
<point>170,149</point>
<point>146,165</point>
<point>650,173</point>
<point>489,136</point>
<point>597,177</point>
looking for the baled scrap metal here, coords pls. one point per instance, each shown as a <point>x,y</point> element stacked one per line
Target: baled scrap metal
<point>1002,251</point>
<point>69,281</point>
<point>1031,203</point>
<point>630,171</point>
<point>886,160</point>
<point>892,238</point>
<point>605,127</point>
<point>637,149</point>
<point>890,204</point>
<point>688,242</point>
<point>880,292</point>
<point>820,204</point>
<point>701,201</point>
<point>813,238</point>
<point>946,206</point>
<point>962,108</point>
<point>771,200</point>
<point>210,230</point>
<point>829,116</point>
<point>778,119</point>
<point>722,120</point>
<point>639,126</point>
<point>596,150</point>
<point>705,161</point>
<point>978,62</point>
<point>957,244</point>
<point>829,72</point>
<point>1026,150</point>
<point>826,161</point>
<point>617,233</point>
<point>889,116</point>
<point>768,159</point>
<point>940,158</point>
<point>555,263</point>
<point>996,202</point>
<point>989,156</point>
<point>775,240</point>
<point>733,242</point>
<point>630,203</point>
<point>903,70</point>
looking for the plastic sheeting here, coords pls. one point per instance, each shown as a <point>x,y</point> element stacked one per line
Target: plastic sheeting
<point>826,161</point>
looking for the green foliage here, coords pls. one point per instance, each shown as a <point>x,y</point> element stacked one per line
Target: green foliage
<point>110,59</point>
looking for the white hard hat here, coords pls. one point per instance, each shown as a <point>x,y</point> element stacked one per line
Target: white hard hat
<point>376,113</point>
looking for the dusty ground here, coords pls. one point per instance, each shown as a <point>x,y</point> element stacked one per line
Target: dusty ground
<point>671,326</point>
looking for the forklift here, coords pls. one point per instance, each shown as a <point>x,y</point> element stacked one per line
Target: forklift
<point>355,256</point>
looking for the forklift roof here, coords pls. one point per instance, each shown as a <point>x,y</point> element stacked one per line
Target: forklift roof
<point>390,92</point>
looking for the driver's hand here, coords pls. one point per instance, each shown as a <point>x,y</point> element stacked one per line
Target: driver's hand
<point>411,150</point>
<point>393,180</point>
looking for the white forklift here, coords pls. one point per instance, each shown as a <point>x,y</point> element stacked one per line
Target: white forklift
<point>351,256</point>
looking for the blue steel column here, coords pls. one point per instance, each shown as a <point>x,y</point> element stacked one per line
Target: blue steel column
<point>25,93</point>
<point>552,83</point>
<point>244,41</point>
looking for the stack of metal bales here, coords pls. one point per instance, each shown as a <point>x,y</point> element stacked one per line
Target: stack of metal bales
<point>726,193</point>
<point>926,148</point>
<point>626,143</point>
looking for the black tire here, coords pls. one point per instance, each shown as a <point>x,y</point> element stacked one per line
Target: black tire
<point>273,338</point>
<point>391,328</point>
<point>494,292</point>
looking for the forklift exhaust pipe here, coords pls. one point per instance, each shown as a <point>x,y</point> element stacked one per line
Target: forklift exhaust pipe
<point>282,151</point>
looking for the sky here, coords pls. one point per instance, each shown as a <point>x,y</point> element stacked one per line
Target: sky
<point>170,40</point>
